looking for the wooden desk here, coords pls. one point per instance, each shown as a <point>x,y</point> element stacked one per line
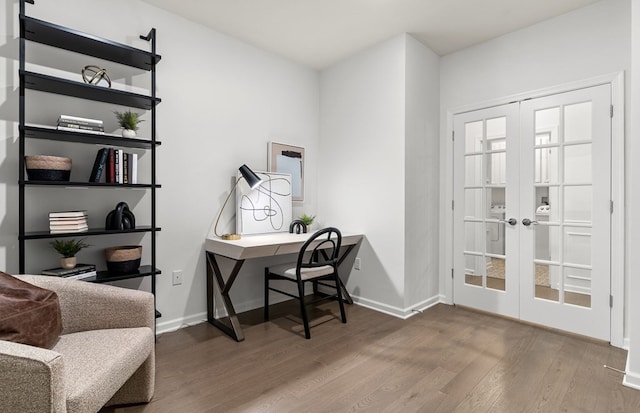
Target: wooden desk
<point>254,246</point>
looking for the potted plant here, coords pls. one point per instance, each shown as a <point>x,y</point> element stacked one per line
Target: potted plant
<point>128,121</point>
<point>307,220</point>
<point>68,248</point>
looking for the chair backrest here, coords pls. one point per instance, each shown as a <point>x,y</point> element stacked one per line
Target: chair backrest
<point>322,248</point>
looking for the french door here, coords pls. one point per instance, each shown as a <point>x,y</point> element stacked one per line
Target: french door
<point>532,183</point>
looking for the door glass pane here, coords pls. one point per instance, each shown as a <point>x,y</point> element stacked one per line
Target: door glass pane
<point>577,164</point>
<point>473,269</point>
<point>553,200</point>
<point>473,203</point>
<point>577,203</point>
<point>546,124</point>
<point>496,203</point>
<point>496,273</point>
<point>473,170</point>
<point>497,128</point>
<point>546,281</point>
<point>474,237</point>
<point>496,164</point>
<point>577,122</point>
<point>577,245</point>
<point>546,165</point>
<point>495,238</point>
<point>473,135</point>
<point>577,286</point>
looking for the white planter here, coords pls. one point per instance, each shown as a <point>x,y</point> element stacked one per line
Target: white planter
<point>128,133</point>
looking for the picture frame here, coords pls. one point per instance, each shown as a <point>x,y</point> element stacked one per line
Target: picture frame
<point>289,159</point>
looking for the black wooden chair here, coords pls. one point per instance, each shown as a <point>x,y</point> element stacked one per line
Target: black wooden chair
<point>317,261</point>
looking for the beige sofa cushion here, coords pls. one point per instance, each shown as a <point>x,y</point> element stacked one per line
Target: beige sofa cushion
<point>98,362</point>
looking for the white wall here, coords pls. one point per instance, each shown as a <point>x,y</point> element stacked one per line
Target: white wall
<point>422,174</point>
<point>632,378</point>
<point>378,123</point>
<point>585,43</point>
<point>222,101</point>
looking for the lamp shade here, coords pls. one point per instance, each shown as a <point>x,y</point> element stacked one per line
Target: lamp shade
<point>252,179</point>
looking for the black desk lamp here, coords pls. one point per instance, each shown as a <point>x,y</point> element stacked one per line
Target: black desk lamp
<point>253,181</point>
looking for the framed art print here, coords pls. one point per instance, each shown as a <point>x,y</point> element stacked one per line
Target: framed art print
<point>288,159</point>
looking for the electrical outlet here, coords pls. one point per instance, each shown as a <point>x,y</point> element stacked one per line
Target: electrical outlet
<point>177,277</point>
<point>357,264</point>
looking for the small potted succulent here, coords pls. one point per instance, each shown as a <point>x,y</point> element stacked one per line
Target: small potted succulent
<point>128,121</point>
<point>307,220</point>
<point>68,248</point>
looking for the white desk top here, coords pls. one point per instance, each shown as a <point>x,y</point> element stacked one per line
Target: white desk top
<point>266,245</point>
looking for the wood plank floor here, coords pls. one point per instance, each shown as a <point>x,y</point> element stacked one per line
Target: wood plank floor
<point>447,359</point>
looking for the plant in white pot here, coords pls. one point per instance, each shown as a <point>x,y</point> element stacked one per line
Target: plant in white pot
<point>307,220</point>
<point>68,248</point>
<point>128,121</point>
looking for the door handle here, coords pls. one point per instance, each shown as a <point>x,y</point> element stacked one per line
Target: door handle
<point>526,222</point>
<point>510,221</point>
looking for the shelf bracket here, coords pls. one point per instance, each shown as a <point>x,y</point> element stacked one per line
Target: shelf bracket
<point>150,36</point>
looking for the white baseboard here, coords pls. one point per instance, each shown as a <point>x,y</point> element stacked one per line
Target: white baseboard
<point>178,323</point>
<point>396,311</point>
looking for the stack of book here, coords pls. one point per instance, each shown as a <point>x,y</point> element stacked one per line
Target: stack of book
<point>117,166</point>
<point>79,272</point>
<point>84,125</point>
<point>62,222</point>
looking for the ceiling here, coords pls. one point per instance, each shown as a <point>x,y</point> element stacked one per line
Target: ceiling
<point>319,33</point>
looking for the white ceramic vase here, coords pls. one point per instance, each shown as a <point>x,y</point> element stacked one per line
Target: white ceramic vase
<point>128,133</point>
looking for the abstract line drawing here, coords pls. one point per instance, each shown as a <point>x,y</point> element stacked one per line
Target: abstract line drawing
<point>289,159</point>
<point>266,208</point>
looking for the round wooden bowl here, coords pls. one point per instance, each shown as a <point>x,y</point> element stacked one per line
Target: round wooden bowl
<point>123,259</point>
<point>48,168</point>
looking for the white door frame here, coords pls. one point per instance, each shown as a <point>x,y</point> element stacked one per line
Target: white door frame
<point>616,80</point>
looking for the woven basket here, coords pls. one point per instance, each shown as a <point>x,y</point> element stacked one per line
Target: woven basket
<point>123,259</point>
<point>56,163</point>
<point>48,168</point>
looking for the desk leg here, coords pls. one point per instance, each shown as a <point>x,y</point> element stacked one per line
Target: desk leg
<point>345,294</point>
<point>213,269</point>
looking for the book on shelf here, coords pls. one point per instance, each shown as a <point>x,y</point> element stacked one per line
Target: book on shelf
<point>120,165</point>
<point>82,275</point>
<point>68,231</point>
<point>67,221</point>
<point>54,226</point>
<point>66,129</point>
<point>68,214</point>
<point>79,121</point>
<point>125,167</point>
<point>80,127</point>
<point>98,165</point>
<point>110,167</point>
<point>133,163</point>
<point>63,272</point>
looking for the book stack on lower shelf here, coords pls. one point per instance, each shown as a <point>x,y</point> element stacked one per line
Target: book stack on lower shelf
<point>77,124</point>
<point>79,272</point>
<point>62,222</point>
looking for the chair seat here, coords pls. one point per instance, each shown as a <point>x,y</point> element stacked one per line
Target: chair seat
<point>289,271</point>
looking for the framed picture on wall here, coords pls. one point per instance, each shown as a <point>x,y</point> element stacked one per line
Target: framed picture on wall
<point>288,159</point>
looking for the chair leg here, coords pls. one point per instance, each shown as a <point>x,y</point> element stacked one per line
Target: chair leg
<point>340,300</point>
<point>303,310</point>
<point>266,294</point>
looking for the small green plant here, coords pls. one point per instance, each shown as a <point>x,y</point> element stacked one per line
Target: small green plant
<point>307,219</point>
<point>69,247</point>
<point>128,119</point>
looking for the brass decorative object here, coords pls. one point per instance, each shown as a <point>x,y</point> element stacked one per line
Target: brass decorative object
<point>94,75</point>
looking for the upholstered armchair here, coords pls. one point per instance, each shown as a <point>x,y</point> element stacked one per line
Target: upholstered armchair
<point>104,356</point>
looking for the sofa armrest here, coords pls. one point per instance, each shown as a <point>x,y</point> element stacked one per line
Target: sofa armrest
<point>32,379</point>
<point>90,306</point>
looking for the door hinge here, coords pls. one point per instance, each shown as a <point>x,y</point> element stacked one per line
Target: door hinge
<point>452,273</point>
<point>610,301</point>
<point>611,207</point>
<point>452,204</point>
<point>453,135</point>
<point>611,111</point>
